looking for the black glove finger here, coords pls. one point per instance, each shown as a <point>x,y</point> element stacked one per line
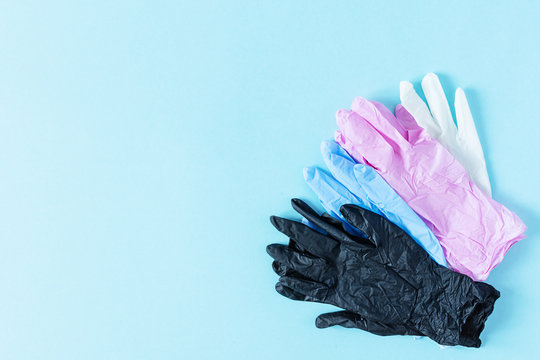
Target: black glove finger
<point>337,222</point>
<point>373,225</point>
<point>291,294</point>
<point>294,245</point>
<point>379,230</point>
<point>335,232</point>
<point>332,221</point>
<point>313,289</point>
<point>309,266</point>
<point>280,269</point>
<point>305,237</point>
<point>297,247</point>
<point>349,319</point>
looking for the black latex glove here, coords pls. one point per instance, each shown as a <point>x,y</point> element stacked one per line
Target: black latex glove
<point>386,282</point>
<point>346,319</point>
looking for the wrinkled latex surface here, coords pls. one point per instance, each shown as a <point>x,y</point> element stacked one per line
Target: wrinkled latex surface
<point>474,230</point>
<point>359,184</point>
<point>386,283</point>
<point>461,141</point>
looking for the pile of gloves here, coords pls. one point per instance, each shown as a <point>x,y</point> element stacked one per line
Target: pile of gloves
<point>411,230</point>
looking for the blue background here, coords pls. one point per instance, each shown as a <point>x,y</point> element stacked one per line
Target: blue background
<point>144,145</point>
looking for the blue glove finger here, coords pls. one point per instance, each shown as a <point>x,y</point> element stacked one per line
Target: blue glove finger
<point>332,195</point>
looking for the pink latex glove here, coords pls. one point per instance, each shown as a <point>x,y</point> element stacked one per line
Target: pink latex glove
<point>474,230</point>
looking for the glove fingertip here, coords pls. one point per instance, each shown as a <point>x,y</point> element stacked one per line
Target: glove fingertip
<point>279,268</point>
<point>321,322</point>
<point>277,251</point>
<point>460,94</point>
<point>430,78</point>
<point>345,117</point>
<point>348,210</point>
<point>282,290</point>
<point>405,86</point>
<point>297,203</point>
<point>271,250</point>
<point>277,222</point>
<point>326,147</point>
<point>360,102</point>
<point>309,173</point>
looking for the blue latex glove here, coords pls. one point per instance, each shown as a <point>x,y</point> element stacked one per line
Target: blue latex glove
<point>361,185</point>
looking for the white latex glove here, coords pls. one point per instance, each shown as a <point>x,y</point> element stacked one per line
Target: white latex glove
<point>462,142</point>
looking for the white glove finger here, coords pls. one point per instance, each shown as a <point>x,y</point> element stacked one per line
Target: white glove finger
<point>470,143</point>
<point>466,129</point>
<point>438,105</point>
<point>418,109</point>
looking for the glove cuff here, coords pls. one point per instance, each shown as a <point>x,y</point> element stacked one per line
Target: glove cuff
<point>458,315</point>
<point>475,314</point>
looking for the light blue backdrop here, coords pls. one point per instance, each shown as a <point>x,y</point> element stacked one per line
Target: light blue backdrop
<point>144,144</point>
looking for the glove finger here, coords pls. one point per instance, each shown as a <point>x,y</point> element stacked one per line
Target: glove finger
<point>332,195</point>
<point>340,223</point>
<point>280,269</point>
<point>335,232</point>
<point>373,225</point>
<point>367,188</point>
<point>294,245</point>
<point>359,180</point>
<point>380,118</point>
<point>330,149</point>
<point>468,137</point>
<point>291,294</point>
<point>313,226</point>
<point>406,119</point>
<point>305,237</point>
<point>310,267</point>
<point>438,105</point>
<point>316,290</point>
<point>415,133</point>
<point>363,141</point>
<point>418,109</point>
<point>333,221</point>
<point>465,122</point>
<point>283,270</point>
<point>349,319</point>
<point>330,192</point>
<point>341,165</point>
